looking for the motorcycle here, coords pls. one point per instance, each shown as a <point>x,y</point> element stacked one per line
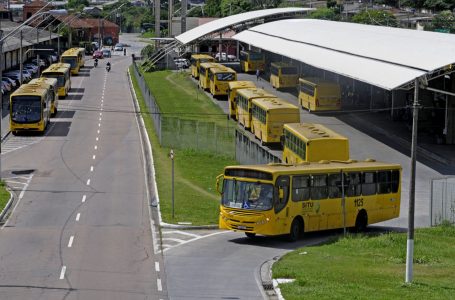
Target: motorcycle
<point>95,63</point>
<point>108,68</point>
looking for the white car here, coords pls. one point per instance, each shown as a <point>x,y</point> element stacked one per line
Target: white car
<point>182,63</point>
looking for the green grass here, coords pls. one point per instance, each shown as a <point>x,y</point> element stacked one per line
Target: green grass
<point>196,200</point>
<point>4,195</point>
<point>148,34</point>
<point>372,267</point>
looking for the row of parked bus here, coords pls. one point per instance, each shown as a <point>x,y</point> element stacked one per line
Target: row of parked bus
<point>315,94</point>
<point>33,103</point>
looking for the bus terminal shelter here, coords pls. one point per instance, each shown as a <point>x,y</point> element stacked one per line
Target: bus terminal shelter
<point>376,66</point>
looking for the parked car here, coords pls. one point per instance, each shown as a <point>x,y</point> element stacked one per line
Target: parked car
<point>6,86</point>
<point>32,67</point>
<point>118,47</point>
<point>13,78</point>
<point>15,73</point>
<point>181,63</point>
<point>42,62</point>
<point>106,53</point>
<point>97,54</point>
<point>11,81</point>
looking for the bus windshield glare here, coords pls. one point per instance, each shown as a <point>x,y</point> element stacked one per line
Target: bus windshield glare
<point>26,109</point>
<point>225,76</point>
<point>247,195</point>
<point>70,60</point>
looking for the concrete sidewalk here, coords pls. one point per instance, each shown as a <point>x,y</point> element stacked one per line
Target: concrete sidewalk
<point>5,116</point>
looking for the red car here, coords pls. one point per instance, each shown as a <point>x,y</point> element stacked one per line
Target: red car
<point>97,54</point>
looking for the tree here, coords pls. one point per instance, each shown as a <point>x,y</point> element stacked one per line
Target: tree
<point>212,8</point>
<point>375,17</point>
<point>232,7</point>
<point>324,14</point>
<point>438,5</point>
<point>444,21</point>
<point>77,4</point>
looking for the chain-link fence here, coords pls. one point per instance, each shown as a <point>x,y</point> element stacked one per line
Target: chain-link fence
<point>442,205</point>
<point>181,133</point>
<point>248,152</point>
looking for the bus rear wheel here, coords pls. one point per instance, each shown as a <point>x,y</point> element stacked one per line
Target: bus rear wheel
<point>251,235</point>
<point>361,222</point>
<point>296,230</point>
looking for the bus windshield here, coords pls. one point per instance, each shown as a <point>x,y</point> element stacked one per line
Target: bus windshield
<point>247,195</point>
<point>26,109</point>
<point>225,76</point>
<point>70,60</point>
<point>60,78</point>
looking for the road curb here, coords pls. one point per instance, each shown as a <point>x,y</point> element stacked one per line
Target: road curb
<point>8,204</point>
<point>269,285</point>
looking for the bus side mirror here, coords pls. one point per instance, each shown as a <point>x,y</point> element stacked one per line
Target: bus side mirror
<point>218,179</point>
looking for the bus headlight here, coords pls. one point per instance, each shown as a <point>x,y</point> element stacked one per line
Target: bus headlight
<point>263,221</point>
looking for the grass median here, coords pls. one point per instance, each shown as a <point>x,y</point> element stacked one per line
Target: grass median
<point>196,200</point>
<point>372,267</point>
<point>4,195</point>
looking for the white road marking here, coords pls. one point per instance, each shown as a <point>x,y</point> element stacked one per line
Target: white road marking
<point>101,113</point>
<point>98,131</point>
<point>94,156</point>
<point>158,283</point>
<point>97,138</point>
<point>100,119</point>
<point>83,198</point>
<point>19,200</point>
<point>157,266</point>
<point>88,181</point>
<point>181,232</point>
<point>70,243</point>
<point>62,273</point>
<point>174,240</point>
<point>99,124</point>
<point>91,168</point>
<point>78,216</point>
<point>96,147</point>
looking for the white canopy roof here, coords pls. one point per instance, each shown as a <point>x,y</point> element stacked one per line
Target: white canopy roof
<point>382,56</point>
<point>220,24</point>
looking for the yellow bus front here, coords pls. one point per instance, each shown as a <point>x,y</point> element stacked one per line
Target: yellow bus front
<point>28,113</point>
<point>233,86</point>
<point>72,60</point>
<point>204,82</point>
<point>319,95</point>
<point>268,120</point>
<point>219,82</point>
<point>252,61</point>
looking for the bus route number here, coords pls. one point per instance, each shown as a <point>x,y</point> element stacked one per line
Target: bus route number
<point>358,202</point>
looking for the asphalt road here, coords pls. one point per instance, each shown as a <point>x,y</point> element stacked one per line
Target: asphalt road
<point>80,228</point>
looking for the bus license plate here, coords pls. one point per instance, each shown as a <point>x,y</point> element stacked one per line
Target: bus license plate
<point>242,227</point>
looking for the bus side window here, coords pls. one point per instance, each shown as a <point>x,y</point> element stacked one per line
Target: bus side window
<point>300,188</point>
<point>384,182</point>
<point>352,180</point>
<point>395,180</point>
<point>368,183</point>
<point>319,187</point>
<point>335,185</point>
<point>282,183</point>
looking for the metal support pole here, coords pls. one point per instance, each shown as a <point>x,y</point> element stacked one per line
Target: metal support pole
<point>172,185</point>
<point>410,241</point>
<point>21,61</point>
<point>58,45</point>
<point>39,65</point>
<point>170,14</point>
<point>393,103</point>
<point>1,102</point>
<point>220,45</point>
<point>183,16</point>
<point>99,33</point>
<point>343,202</point>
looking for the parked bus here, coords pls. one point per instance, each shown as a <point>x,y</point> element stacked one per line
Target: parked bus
<point>251,61</point>
<point>29,108</point>
<point>319,94</point>
<point>233,86</point>
<point>62,72</point>
<point>283,75</point>
<point>243,100</point>
<point>52,83</point>
<point>219,79</point>
<point>196,60</point>
<point>307,142</point>
<point>268,117</point>
<point>75,57</point>
<point>278,199</point>
<point>204,77</point>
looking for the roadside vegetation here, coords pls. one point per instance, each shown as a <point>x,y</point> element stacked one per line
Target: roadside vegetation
<point>196,200</point>
<point>372,267</point>
<point>4,195</point>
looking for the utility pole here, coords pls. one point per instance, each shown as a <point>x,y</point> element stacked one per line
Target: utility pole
<point>1,102</point>
<point>183,16</point>
<point>22,60</point>
<point>410,241</point>
<point>170,14</point>
<point>157,4</point>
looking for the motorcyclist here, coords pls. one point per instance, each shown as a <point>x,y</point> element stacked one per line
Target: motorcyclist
<point>96,62</point>
<point>108,66</point>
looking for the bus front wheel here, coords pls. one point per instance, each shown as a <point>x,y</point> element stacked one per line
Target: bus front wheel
<point>296,230</point>
<point>361,222</point>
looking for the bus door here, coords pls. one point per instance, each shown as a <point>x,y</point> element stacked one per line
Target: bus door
<point>282,212</point>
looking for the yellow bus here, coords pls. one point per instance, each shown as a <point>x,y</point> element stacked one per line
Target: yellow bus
<point>268,117</point>
<point>204,77</point>
<point>319,94</point>
<point>29,108</point>
<point>52,83</point>
<point>243,100</point>
<point>233,87</point>
<point>278,199</point>
<point>251,61</point>
<point>308,142</point>
<point>196,60</point>
<point>219,79</point>
<point>283,75</point>
<point>62,72</point>
<point>75,57</point>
